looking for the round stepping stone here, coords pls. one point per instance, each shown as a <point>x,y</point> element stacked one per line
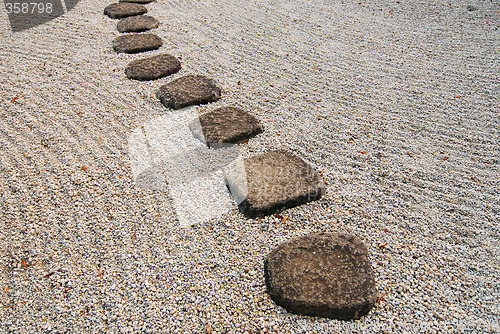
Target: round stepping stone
<point>189,90</point>
<point>123,9</point>
<point>134,43</point>
<point>153,67</point>
<point>273,181</point>
<point>137,23</point>
<point>227,125</point>
<point>138,1</point>
<point>322,275</point>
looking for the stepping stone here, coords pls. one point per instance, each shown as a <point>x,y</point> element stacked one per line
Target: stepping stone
<point>138,1</point>
<point>134,43</point>
<point>123,9</point>
<point>153,67</point>
<point>273,181</point>
<point>223,126</point>
<point>137,23</point>
<point>189,90</point>
<point>322,275</point>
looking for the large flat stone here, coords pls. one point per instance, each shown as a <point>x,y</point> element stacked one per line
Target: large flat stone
<point>153,67</point>
<point>137,23</point>
<point>226,125</point>
<point>189,90</point>
<point>124,9</point>
<point>273,181</point>
<point>322,275</point>
<point>134,43</point>
<point>138,1</point>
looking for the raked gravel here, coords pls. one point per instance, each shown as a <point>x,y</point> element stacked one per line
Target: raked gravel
<point>397,102</point>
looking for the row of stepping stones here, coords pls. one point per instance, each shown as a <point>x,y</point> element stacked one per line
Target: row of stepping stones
<point>322,274</point>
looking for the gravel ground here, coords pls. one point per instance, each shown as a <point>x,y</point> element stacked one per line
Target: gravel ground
<point>397,102</point>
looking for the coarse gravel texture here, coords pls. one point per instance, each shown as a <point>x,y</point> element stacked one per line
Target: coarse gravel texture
<point>397,102</point>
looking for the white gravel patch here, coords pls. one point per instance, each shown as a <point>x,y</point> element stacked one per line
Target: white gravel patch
<point>396,102</point>
<point>166,156</point>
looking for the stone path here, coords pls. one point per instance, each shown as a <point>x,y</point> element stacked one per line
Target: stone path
<point>273,181</point>
<point>189,90</point>
<point>323,274</point>
<point>227,125</point>
<point>153,67</point>
<point>138,1</point>
<point>138,23</point>
<point>326,275</point>
<point>136,43</point>
<point>124,9</point>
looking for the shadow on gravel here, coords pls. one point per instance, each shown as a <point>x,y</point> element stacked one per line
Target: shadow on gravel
<point>28,14</point>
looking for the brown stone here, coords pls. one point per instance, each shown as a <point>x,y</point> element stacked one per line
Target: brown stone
<point>124,9</point>
<point>322,275</point>
<point>273,181</point>
<point>153,67</point>
<point>189,90</point>
<point>137,23</point>
<point>138,1</point>
<point>227,125</point>
<point>134,43</point>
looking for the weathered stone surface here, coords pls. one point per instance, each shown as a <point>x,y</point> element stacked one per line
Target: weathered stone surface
<point>138,1</point>
<point>153,67</point>
<point>323,275</point>
<point>123,9</point>
<point>133,43</point>
<point>227,125</point>
<point>189,90</point>
<point>137,23</point>
<point>270,182</point>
